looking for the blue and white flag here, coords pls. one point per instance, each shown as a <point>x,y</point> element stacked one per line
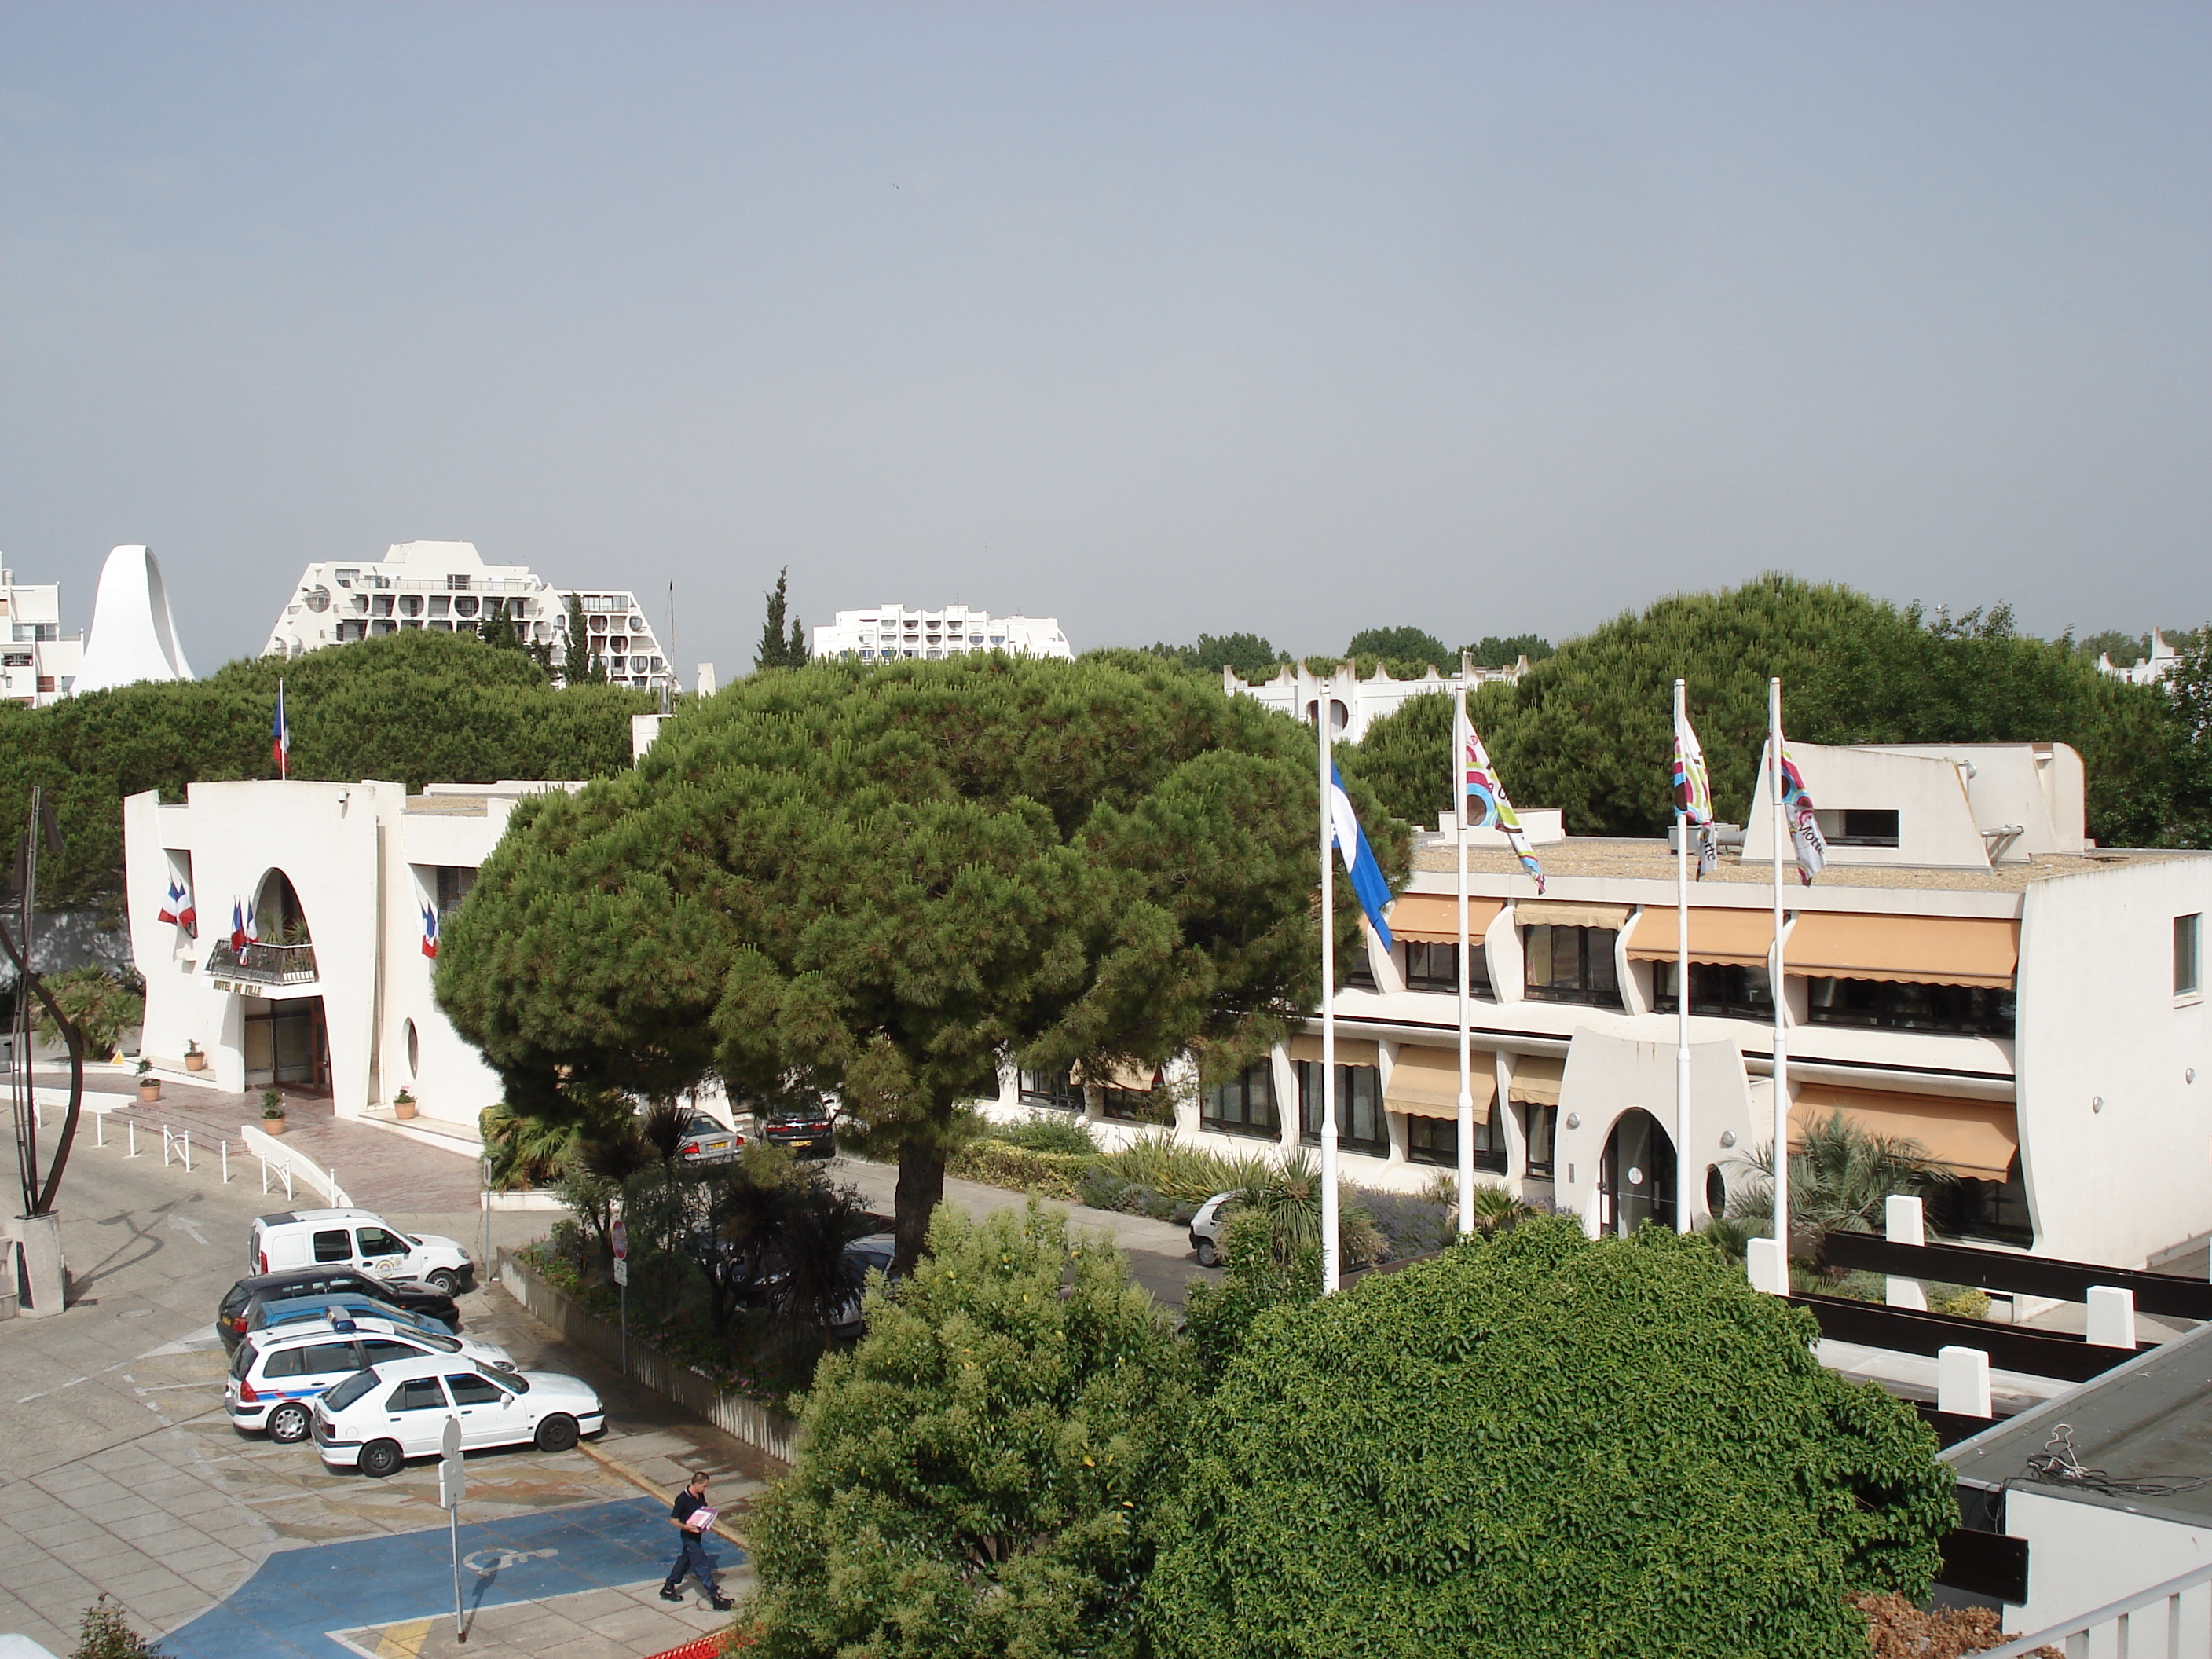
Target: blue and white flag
<point>1351,840</point>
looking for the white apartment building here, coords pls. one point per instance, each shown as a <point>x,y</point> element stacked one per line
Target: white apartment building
<point>446,586</point>
<point>891,633</point>
<point>1970,972</point>
<point>1355,704</point>
<point>39,663</point>
<point>2151,670</point>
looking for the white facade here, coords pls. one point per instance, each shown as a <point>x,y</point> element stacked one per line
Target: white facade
<point>446,586</point>
<point>891,633</point>
<point>1355,704</point>
<point>39,663</point>
<point>2151,670</point>
<point>134,637</point>
<point>335,998</point>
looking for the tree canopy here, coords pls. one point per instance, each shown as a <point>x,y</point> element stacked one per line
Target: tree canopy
<point>887,882</point>
<point>1492,652</point>
<point>415,707</point>
<point>1250,654</point>
<point>1409,645</point>
<point>779,648</point>
<point>1543,1444</point>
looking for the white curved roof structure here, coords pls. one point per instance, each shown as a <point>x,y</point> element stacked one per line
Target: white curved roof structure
<point>133,637</point>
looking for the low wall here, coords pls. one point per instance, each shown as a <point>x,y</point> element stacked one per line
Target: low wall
<point>757,1425</point>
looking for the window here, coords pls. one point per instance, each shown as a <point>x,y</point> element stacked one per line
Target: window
<point>1540,1124</point>
<point>1055,1089</point>
<point>1436,968</point>
<point>319,1358</point>
<point>1360,976</point>
<point>1715,988</point>
<point>1136,1105</point>
<point>1571,964</point>
<point>351,1390</point>
<point>333,1246</point>
<point>1361,1125</point>
<point>1992,1210</point>
<point>286,1362</point>
<point>2188,959</point>
<point>420,1394</point>
<point>374,1240</point>
<point>1245,1105</point>
<point>380,1350</point>
<point>1858,826</point>
<point>1436,1140</point>
<point>1968,1008</point>
<point>470,1390</point>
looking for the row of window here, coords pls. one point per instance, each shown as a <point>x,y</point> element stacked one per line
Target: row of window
<point>1245,1105</point>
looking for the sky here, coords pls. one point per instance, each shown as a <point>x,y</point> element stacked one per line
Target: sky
<point>1156,318</point>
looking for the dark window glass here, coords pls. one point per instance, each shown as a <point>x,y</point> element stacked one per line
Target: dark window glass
<point>351,1390</point>
<point>374,1240</point>
<point>1436,968</point>
<point>333,1246</point>
<point>1359,975</point>
<point>1136,1105</point>
<point>1540,1123</point>
<point>421,1394</point>
<point>1245,1105</point>
<point>319,1358</point>
<point>285,1362</point>
<point>379,1350</point>
<point>1057,1089</point>
<point>1891,1006</point>
<point>2188,975</point>
<point>1715,988</point>
<point>1571,964</point>
<point>1993,1210</point>
<point>1859,826</point>
<point>470,1390</point>
<point>1361,1124</point>
<point>1436,1140</point>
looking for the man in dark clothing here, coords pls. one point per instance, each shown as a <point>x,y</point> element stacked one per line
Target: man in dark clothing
<point>685,1515</point>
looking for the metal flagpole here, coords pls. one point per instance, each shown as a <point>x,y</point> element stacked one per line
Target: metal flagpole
<point>1466,987</point>
<point>1329,1261</point>
<point>1681,970</point>
<point>1779,980</point>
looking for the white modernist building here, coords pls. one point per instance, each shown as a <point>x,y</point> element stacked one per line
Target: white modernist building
<point>1970,972</point>
<point>446,586</point>
<point>342,886</point>
<point>39,663</point>
<point>2151,670</point>
<point>890,633</point>
<point>134,637</point>
<point>1355,704</point>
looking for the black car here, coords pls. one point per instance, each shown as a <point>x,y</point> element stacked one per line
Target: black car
<point>808,1134</point>
<point>411,1294</point>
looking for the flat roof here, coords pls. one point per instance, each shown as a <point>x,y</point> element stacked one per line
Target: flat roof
<point>2149,1421</point>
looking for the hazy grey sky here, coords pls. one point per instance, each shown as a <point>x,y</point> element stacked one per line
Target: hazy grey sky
<point>1155,318</point>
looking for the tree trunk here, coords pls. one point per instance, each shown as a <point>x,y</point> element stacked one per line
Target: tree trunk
<point>921,1188</point>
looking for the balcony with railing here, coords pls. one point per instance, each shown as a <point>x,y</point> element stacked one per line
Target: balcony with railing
<point>264,964</point>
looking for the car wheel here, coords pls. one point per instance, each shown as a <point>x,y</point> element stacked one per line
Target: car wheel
<point>1208,1256</point>
<point>380,1458</point>
<point>290,1424</point>
<point>556,1434</point>
<point>444,1281</point>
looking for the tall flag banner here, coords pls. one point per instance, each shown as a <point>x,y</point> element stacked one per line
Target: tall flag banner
<point>280,737</point>
<point>1693,793</point>
<point>180,908</point>
<point>1486,805</point>
<point>1350,841</point>
<point>1811,846</point>
<point>239,937</point>
<point>429,933</point>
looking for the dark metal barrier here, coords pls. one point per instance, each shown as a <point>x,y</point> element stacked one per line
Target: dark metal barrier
<point>2165,1294</point>
<point>2059,1354</point>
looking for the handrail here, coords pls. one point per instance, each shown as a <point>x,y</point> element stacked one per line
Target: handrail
<point>2167,1294</point>
<point>2075,1632</point>
<point>268,964</point>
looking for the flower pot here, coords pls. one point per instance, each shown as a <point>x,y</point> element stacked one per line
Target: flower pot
<point>150,1088</point>
<point>272,1125</point>
<point>196,1062</point>
<point>403,1108</point>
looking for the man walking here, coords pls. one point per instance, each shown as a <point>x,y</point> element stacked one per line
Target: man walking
<point>691,1517</point>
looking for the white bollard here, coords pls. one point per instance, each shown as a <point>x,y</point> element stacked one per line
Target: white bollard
<point>265,1175</point>
<point>1770,1273</point>
<point>1962,1383</point>
<point>133,1126</point>
<point>226,1164</point>
<point>2112,1317</point>
<point>1904,1222</point>
<point>100,1128</point>
<point>288,1183</point>
<point>188,1151</point>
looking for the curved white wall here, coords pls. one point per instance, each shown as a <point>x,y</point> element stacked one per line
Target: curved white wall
<point>133,637</point>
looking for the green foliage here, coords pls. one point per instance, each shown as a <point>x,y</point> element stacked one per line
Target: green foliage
<point>1250,654</point>
<point>780,646</point>
<point>107,1634</point>
<point>416,707</point>
<point>1841,1176</point>
<point>999,1164</point>
<point>981,1476</point>
<point>1256,1276</point>
<point>2125,650</point>
<point>1415,648</point>
<point>1543,1444</point>
<point>579,666</point>
<point>883,881</point>
<point>1051,1132</point>
<point>1182,1171</point>
<point>99,1004</point>
<point>1492,652</point>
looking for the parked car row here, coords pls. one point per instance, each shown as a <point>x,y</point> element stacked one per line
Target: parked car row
<point>346,1331</point>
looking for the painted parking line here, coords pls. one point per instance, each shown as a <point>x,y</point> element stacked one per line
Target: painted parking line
<point>296,1597</point>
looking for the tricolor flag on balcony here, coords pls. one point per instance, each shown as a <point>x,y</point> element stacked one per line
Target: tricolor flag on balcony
<point>243,932</point>
<point>429,933</point>
<point>180,911</point>
<point>280,737</point>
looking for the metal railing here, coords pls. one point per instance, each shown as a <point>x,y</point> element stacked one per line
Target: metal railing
<point>265,965</point>
<point>2118,1628</point>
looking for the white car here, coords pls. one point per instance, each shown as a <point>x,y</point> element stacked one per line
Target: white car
<point>376,1419</point>
<point>356,1238</point>
<point>1207,1226</point>
<point>275,1376</point>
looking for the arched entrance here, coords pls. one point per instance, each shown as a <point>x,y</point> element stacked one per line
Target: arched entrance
<point>1636,1177</point>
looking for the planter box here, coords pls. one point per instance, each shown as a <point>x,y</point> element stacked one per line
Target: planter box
<point>196,1062</point>
<point>272,1125</point>
<point>760,1426</point>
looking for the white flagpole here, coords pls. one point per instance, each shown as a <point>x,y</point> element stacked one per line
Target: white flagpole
<point>1466,973</point>
<point>1779,981</point>
<point>1329,1279</point>
<point>1682,983</point>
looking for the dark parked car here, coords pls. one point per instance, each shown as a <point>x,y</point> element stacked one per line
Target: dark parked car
<point>807,1134</point>
<point>409,1294</point>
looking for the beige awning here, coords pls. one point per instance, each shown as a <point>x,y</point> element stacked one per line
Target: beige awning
<point>1350,1051</point>
<point>1975,1138</point>
<point>1542,912</point>
<point>1735,938</point>
<point>1424,1082</point>
<point>1141,1078</point>
<point>1536,1079</point>
<point>1913,950</point>
<point>1433,918</point>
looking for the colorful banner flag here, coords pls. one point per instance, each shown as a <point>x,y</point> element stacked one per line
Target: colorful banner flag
<point>1484,803</point>
<point>1350,841</point>
<point>1810,845</point>
<point>1693,793</point>
<point>178,910</point>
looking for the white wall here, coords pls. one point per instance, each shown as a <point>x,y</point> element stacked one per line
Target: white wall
<point>2082,1555</point>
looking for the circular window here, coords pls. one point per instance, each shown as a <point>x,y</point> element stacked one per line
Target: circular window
<point>410,604</point>
<point>318,599</point>
<point>414,1051</point>
<point>466,606</point>
<point>637,625</point>
<point>1716,1189</point>
<point>599,624</point>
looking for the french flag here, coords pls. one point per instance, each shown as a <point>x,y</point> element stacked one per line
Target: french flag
<point>280,737</point>
<point>429,933</point>
<point>180,910</point>
<point>239,937</point>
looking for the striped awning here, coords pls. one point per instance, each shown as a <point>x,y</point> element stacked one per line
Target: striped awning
<point>1536,1079</point>
<point>1977,1139</point>
<point>1562,913</point>
<point>1424,1082</point>
<point>1350,1051</point>
<point>1733,939</point>
<point>1433,918</point>
<point>1909,949</point>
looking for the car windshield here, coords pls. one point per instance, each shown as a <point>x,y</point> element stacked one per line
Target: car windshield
<point>242,1361</point>
<point>443,1344</point>
<point>351,1390</point>
<point>513,1382</point>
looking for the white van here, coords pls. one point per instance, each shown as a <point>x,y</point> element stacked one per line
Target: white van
<point>356,1238</point>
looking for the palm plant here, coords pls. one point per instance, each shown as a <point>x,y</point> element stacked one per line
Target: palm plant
<point>1840,1176</point>
<point>524,1149</point>
<point>819,1279</point>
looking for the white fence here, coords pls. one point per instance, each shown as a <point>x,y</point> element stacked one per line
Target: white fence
<point>2172,1620</point>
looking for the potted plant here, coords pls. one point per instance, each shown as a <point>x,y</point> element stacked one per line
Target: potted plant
<point>195,1059</point>
<point>150,1086</point>
<point>403,1104</point>
<point>272,1111</point>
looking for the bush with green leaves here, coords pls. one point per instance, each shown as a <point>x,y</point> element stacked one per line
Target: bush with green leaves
<point>100,1004</point>
<point>1540,1444</point>
<point>1050,1132</point>
<point>980,1477</point>
<point>107,1634</point>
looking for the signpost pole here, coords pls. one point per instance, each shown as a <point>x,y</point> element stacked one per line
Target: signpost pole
<point>453,1482</point>
<point>620,1235</point>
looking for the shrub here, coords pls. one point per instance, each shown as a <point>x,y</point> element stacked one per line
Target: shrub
<point>107,1634</point>
<point>1411,1226</point>
<point>980,1475</point>
<point>1100,1187</point>
<point>1047,1174</point>
<point>1052,1133</point>
<point>101,1004</point>
<point>1537,1443</point>
<point>1193,1173</point>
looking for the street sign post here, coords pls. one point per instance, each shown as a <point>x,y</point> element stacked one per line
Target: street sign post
<point>620,1236</point>
<point>453,1485</point>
